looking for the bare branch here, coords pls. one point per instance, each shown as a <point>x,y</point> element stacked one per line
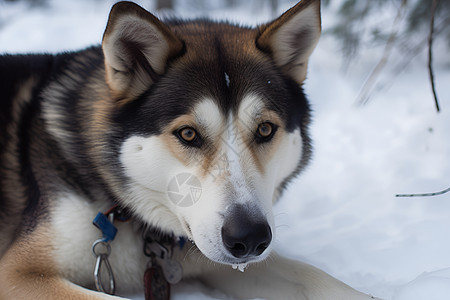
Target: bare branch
<point>424,195</point>
<point>430,55</point>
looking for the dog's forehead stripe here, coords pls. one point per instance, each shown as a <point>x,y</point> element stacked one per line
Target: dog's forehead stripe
<point>250,108</point>
<point>208,116</point>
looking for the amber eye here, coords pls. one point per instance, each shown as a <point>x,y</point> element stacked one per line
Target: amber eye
<point>188,134</point>
<point>265,129</point>
<point>265,132</point>
<point>189,137</point>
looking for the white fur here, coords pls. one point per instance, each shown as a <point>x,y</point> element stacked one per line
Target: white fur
<point>285,161</point>
<point>250,109</point>
<point>74,234</point>
<point>150,166</point>
<point>234,155</point>
<point>209,117</point>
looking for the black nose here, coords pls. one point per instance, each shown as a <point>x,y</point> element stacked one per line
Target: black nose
<point>244,235</point>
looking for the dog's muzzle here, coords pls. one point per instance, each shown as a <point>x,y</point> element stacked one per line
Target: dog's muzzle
<point>245,234</point>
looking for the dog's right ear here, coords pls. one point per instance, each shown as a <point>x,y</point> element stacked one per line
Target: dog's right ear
<point>136,46</point>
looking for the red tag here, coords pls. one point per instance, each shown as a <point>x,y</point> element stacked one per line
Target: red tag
<point>156,286</point>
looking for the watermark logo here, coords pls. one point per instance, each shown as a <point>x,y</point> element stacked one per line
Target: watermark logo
<point>184,189</point>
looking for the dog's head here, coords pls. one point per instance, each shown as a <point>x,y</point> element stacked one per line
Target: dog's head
<point>212,121</point>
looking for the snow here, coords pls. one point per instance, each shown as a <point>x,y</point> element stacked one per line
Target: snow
<point>433,285</point>
<point>240,267</point>
<point>341,215</point>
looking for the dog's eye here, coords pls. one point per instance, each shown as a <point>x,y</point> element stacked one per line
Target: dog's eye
<point>265,132</point>
<point>188,136</point>
<point>265,129</point>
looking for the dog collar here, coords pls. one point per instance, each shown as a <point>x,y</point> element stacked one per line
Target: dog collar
<point>101,249</point>
<point>162,270</point>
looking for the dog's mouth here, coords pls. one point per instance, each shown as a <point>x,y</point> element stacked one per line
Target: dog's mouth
<point>241,262</point>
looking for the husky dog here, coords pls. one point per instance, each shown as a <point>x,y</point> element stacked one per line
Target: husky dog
<point>183,130</point>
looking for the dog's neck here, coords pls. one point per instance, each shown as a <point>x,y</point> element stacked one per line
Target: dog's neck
<point>149,232</point>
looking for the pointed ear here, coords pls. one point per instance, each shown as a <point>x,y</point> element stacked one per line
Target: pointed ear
<point>291,38</point>
<point>136,46</point>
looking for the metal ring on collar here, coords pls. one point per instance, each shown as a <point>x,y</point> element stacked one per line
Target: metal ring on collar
<point>97,251</point>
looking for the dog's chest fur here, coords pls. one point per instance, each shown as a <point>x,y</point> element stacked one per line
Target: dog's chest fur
<point>74,235</point>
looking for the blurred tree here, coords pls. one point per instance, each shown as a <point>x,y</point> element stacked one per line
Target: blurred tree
<point>164,4</point>
<point>231,2</point>
<point>370,22</point>
<point>32,2</point>
<point>408,26</point>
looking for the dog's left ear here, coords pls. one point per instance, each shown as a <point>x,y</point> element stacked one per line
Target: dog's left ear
<point>291,38</point>
<point>137,47</point>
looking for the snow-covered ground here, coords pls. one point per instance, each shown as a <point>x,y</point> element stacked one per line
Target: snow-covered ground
<point>341,214</point>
